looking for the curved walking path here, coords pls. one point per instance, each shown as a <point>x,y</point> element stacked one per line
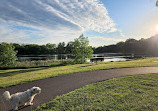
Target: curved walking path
<point>56,86</point>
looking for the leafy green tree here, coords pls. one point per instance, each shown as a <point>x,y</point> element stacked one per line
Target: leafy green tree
<point>7,54</point>
<point>69,47</point>
<point>20,48</point>
<point>51,48</point>
<point>32,49</point>
<point>61,48</point>
<point>81,50</point>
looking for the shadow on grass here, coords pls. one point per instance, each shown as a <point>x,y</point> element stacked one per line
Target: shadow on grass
<point>12,73</point>
<point>86,65</point>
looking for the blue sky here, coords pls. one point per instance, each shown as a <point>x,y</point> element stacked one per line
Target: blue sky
<point>104,22</point>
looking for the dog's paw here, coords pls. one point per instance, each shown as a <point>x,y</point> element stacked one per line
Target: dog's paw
<point>30,104</point>
<point>25,104</point>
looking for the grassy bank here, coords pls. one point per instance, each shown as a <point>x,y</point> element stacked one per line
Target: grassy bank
<point>18,76</point>
<point>132,93</point>
<point>36,64</point>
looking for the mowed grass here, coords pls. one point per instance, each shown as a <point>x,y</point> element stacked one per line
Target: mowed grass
<point>18,76</point>
<point>131,93</point>
<point>36,64</point>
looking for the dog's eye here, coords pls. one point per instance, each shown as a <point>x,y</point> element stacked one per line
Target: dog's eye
<point>34,89</point>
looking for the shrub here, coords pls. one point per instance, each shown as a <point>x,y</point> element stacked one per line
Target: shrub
<point>7,54</point>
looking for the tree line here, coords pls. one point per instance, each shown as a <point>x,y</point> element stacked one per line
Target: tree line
<point>35,49</point>
<point>147,46</point>
<point>142,46</point>
<point>79,49</point>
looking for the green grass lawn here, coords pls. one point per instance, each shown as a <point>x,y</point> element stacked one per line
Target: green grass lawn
<point>36,64</point>
<point>18,76</point>
<point>131,93</point>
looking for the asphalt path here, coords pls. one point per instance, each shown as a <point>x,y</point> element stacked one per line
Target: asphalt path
<point>56,86</point>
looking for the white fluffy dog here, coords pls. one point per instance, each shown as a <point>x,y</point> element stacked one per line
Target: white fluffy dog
<point>25,98</point>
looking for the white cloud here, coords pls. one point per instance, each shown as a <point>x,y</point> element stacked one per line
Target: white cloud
<point>56,20</point>
<point>107,39</point>
<point>121,33</point>
<point>101,41</point>
<point>112,30</point>
<point>10,34</point>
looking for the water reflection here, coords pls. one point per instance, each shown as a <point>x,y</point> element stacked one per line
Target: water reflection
<point>115,59</point>
<point>107,59</point>
<point>104,57</point>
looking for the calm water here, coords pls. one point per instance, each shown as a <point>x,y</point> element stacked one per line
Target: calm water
<point>105,57</point>
<point>115,59</point>
<point>108,57</point>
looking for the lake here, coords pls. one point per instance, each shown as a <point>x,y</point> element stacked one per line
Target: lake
<point>108,57</point>
<point>104,57</point>
<point>115,59</point>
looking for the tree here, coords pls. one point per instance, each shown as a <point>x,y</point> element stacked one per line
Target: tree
<point>51,48</point>
<point>69,47</point>
<point>120,47</point>
<point>20,48</point>
<point>61,48</point>
<point>130,45</point>
<point>81,50</point>
<point>7,54</point>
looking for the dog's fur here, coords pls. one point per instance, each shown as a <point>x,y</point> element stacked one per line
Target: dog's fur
<point>25,98</point>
